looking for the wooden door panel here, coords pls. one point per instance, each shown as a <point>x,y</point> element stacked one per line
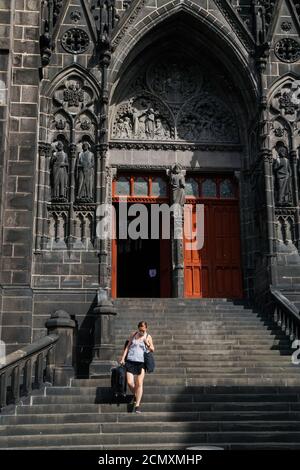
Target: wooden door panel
<point>215,271</point>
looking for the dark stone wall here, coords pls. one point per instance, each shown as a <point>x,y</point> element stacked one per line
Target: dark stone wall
<point>21,59</point>
<point>36,280</point>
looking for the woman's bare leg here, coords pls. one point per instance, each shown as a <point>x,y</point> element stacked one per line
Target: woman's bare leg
<point>130,382</point>
<point>139,387</point>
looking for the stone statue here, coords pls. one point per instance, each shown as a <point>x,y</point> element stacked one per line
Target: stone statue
<point>86,172</point>
<point>177,181</point>
<point>59,165</point>
<point>260,26</point>
<point>283,172</point>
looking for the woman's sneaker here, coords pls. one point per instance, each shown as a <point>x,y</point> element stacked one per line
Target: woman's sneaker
<point>138,409</point>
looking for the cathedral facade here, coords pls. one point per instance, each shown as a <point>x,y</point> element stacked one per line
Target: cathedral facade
<point>146,101</point>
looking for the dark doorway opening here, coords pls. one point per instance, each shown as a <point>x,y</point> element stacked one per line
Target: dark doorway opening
<point>138,268</point>
<point>141,267</point>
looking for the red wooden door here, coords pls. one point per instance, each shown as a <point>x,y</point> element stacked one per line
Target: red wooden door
<point>215,270</point>
<point>226,259</point>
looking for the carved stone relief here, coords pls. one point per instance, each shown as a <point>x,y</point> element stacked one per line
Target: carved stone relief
<point>284,137</point>
<point>174,100</point>
<point>286,100</point>
<point>285,231</point>
<point>143,118</point>
<point>72,164</point>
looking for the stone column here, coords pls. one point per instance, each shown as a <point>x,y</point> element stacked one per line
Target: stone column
<point>43,155</point>
<point>61,324</point>
<point>177,255</point>
<point>177,183</point>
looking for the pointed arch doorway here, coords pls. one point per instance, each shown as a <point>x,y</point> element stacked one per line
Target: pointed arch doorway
<point>183,104</point>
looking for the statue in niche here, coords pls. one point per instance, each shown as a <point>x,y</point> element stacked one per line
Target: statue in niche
<point>177,181</point>
<point>260,23</point>
<point>59,165</point>
<point>283,173</point>
<point>86,173</point>
<point>150,123</point>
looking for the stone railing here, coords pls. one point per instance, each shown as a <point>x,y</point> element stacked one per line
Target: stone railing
<point>285,314</point>
<point>49,360</point>
<point>26,369</point>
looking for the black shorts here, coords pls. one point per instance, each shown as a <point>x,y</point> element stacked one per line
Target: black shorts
<point>134,367</point>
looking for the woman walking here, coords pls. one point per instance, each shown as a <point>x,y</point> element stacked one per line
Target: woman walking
<point>133,358</point>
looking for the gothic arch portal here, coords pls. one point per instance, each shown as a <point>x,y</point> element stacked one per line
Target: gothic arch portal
<point>173,99</point>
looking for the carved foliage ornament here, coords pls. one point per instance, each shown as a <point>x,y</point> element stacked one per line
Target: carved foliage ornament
<point>287,50</point>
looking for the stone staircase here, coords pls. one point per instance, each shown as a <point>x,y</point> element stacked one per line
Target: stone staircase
<point>224,377</point>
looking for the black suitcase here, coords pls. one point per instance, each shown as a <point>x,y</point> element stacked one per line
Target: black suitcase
<point>118,381</point>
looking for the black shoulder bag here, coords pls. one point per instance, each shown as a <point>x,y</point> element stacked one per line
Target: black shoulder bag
<point>149,361</point>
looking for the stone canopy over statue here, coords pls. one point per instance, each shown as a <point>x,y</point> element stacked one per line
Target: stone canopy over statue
<point>85,173</point>
<point>59,169</point>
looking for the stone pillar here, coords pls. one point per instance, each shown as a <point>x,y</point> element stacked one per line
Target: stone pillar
<point>177,184</point>
<point>177,255</point>
<point>104,337</point>
<point>61,324</point>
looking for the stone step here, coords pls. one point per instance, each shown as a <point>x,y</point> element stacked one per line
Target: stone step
<point>79,385</point>
<point>175,438</point>
<point>221,383</point>
<point>248,392</point>
<point>175,342</point>
<point>159,398</point>
<point>203,370</point>
<point>156,407</point>
<point>221,330</point>
<point>238,349</point>
<point>210,320</point>
<point>161,416</point>
<point>227,380</point>
<point>166,446</point>
<point>153,427</point>
<point>201,331</point>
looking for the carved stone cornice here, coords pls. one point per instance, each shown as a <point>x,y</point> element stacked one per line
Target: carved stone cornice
<point>175,146</point>
<point>285,211</point>
<point>59,206</point>
<point>85,207</point>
